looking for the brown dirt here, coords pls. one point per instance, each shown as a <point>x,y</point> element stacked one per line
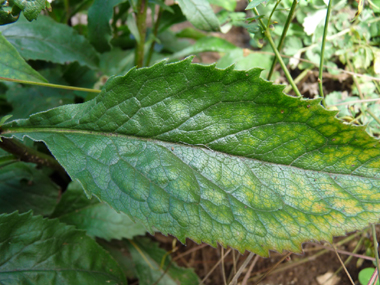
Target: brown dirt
<point>203,257</point>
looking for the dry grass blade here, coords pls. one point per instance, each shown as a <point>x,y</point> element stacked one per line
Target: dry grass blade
<point>245,280</point>
<point>223,272</point>
<point>190,251</point>
<point>215,266</point>
<point>242,267</point>
<point>273,267</point>
<point>344,267</point>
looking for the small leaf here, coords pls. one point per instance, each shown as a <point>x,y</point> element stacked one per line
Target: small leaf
<point>200,14</point>
<point>98,219</point>
<point>205,44</point>
<point>4,119</point>
<point>48,40</point>
<point>24,188</point>
<point>254,4</point>
<point>99,29</point>
<point>220,156</point>
<point>169,19</point>
<point>148,257</point>
<point>40,251</point>
<point>229,5</point>
<point>12,65</point>
<point>30,8</point>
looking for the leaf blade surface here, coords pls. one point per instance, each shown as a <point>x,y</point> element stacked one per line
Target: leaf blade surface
<point>41,251</point>
<point>12,65</point>
<point>216,156</point>
<point>48,40</point>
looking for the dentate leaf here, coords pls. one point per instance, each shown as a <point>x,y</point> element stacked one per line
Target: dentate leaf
<point>48,40</point>
<point>153,266</point>
<point>98,219</point>
<point>99,29</point>
<point>34,250</point>
<point>200,14</point>
<point>24,188</point>
<point>12,65</point>
<point>30,8</point>
<point>216,156</point>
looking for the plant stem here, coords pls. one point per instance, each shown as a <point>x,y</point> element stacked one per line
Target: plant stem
<point>282,39</point>
<point>323,51</point>
<point>375,243</point>
<point>278,56</point>
<point>298,79</point>
<point>51,85</point>
<point>141,26</point>
<point>27,154</point>
<point>156,25</point>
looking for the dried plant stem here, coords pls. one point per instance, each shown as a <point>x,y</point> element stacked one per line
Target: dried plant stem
<point>215,266</point>
<point>283,35</point>
<point>242,267</point>
<point>344,267</point>
<point>375,243</point>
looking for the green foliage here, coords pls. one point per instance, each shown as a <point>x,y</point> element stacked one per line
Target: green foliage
<point>24,188</point>
<point>48,40</point>
<point>30,8</point>
<point>97,218</point>
<point>214,153</point>
<point>35,250</point>
<point>13,66</point>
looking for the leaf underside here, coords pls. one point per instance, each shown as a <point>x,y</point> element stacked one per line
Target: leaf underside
<point>218,156</point>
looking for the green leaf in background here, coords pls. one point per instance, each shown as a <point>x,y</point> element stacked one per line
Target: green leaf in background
<point>48,40</point>
<point>98,219</point>
<point>116,61</point>
<point>30,8</point>
<point>27,100</point>
<point>169,19</point>
<point>34,250</point>
<point>148,257</point>
<point>254,4</point>
<point>229,5</point>
<point>99,29</point>
<point>12,65</point>
<point>200,14</point>
<point>205,44</point>
<point>24,188</point>
<point>216,156</point>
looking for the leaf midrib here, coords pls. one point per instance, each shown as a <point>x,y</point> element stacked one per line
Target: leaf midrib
<point>14,130</point>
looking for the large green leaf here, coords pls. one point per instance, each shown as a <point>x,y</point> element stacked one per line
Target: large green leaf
<point>13,66</point>
<point>99,29</point>
<point>217,156</point>
<point>98,219</point>
<point>48,40</point>
<point>200,14</point>
<point>34,250</point>
<point>153,266</point>
<point>24,188</point>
